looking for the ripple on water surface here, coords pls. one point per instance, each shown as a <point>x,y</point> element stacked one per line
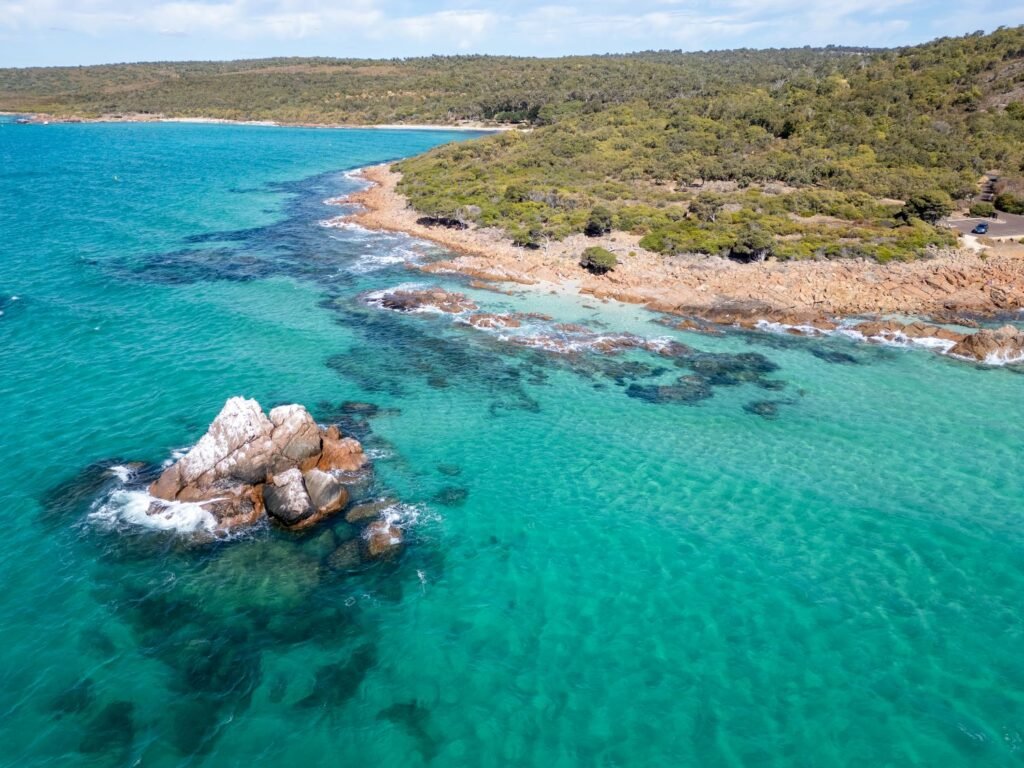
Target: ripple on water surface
<point>756,550</point>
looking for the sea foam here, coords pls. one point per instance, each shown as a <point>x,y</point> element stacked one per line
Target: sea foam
<point>139,509</point>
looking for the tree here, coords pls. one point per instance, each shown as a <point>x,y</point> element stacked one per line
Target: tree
<point>927,206</point>
<point>1010,203</point>
<point>706,207</point>
<point>598,260</point>
<point>753,243</point>
<point>599,222</point>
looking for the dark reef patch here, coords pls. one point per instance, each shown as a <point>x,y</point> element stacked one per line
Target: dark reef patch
<point>766,409</point>
<point>833,356</point>
<point>728,370</point>
<point>451,496</point>
<point>415,719</point>
<point>293,246</point>
<point>111,730</point>
<point>75,699</point>
<point>335,684</point>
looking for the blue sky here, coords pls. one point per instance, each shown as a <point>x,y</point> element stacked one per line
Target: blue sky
<point>48,32</point>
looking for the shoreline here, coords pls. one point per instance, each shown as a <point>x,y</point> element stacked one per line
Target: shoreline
<point>808,298</point>
<point>42,118</point>
<point>942,286</point>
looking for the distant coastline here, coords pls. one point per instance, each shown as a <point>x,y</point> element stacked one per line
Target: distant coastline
<point>467,126</point>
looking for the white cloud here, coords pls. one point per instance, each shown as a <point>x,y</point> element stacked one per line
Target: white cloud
<point>527,26</point>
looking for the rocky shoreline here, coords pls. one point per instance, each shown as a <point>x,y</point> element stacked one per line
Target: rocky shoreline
<point>953,287</point>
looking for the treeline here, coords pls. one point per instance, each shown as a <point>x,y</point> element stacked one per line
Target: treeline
<point>795,152</point>
<point>819,160</point>
<point>436,89</point>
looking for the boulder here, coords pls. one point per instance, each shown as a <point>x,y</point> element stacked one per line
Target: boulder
<point>383,539</point>
<point>240,424</point>
<point>1003,345</point>
<point>343,454</point>
<point>326,493</point>
<point>286,498</point>
<point>296,436</point>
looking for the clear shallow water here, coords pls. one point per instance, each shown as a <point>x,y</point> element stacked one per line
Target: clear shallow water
<point>593,578</point>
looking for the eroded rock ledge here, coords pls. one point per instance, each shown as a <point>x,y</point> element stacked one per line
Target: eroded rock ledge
<point>282,465</point>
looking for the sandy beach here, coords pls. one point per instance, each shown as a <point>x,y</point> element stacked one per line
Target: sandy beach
<point>940,286</point>
<point>470,126</point>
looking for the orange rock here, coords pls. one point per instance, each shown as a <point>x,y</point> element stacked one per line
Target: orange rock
<point>345,455</point>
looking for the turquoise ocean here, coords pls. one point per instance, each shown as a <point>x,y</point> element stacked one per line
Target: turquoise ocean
<point>808,553</point>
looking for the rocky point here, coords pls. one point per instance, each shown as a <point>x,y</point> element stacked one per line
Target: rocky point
<point>250,466</point>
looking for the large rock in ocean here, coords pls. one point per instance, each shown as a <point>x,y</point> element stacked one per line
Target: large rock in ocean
<point>248,464</point>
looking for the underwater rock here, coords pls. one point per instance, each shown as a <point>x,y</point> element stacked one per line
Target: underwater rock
<point>383,539</point>
<point>1003,345</point>
<point>686,390</point>
<point>369,510</point>
<point>248,465</point>
<point>766,409</point>
<point>346,557</point>
<point>451,496</point>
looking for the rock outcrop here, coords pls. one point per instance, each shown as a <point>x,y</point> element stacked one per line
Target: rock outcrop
<point>424,299</point>
<point>249,465</point>
<point>1003,345</point>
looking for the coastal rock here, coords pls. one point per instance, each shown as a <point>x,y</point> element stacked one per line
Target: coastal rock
<point>383,539</point>
<point>296,436</point>
<point>233,506</point>
<point>326,493</point>
<point>1003,345</point>
<point>418,300</point>
<point>241,424</point>
<point>286,498</point>
<point>249,465</point>
<point>492,321</point>
<point>895,331</point>
<point>343,454</point>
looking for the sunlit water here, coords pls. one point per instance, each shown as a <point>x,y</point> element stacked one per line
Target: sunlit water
<point>811,554</point>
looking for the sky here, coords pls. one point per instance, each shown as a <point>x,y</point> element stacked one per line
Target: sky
<point>68,32</point>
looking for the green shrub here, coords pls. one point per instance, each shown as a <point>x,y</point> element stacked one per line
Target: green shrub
<point>754,243</point>
<point>1010,203</point>
<point>927,206</point>
<point>983,210</point>
<point>599,222</point>
<point>598,260</point>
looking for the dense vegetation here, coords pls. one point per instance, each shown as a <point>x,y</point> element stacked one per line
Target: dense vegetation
<point>793,153</point>
<point>814,163</point>
<point>438,89</point>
